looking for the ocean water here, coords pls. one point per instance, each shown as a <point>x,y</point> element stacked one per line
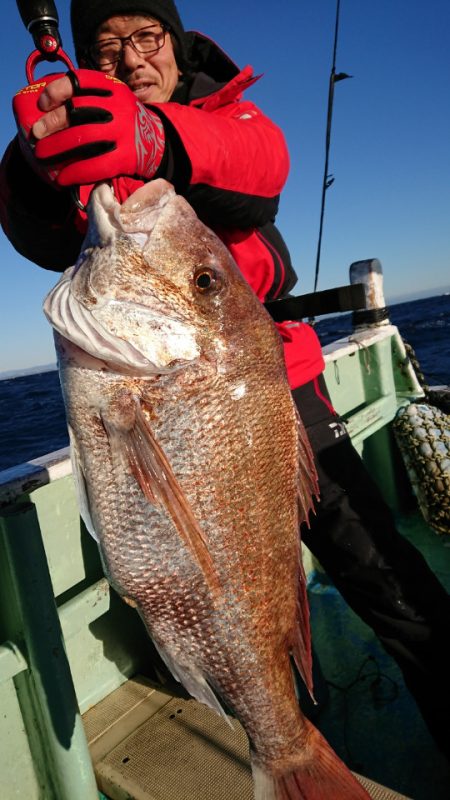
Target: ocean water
<point>32,420</point>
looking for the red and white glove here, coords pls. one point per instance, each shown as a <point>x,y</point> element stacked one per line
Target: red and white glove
<point>110,132</point>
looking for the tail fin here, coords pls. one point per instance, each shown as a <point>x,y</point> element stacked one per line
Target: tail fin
<point>319,775</point>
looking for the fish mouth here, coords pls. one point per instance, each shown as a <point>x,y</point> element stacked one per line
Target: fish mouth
<point>125,334</point>
<point>136,216</point>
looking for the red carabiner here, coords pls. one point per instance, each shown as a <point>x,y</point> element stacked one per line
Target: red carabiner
<point>49,50</point>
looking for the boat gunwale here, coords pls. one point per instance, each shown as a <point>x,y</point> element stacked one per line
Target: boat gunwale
<point>31,475</point>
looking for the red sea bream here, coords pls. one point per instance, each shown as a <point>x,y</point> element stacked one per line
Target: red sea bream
<point>194,471</point>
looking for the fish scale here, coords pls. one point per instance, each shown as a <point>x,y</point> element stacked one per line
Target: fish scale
<point>194,471</point>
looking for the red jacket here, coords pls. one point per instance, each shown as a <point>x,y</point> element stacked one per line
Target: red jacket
<point>224,155</point>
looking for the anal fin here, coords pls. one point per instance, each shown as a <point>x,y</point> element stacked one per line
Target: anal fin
<point>193,680</point>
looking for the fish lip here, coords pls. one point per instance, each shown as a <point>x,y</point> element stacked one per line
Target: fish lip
<point>111,217</point>
<point>104,208</point>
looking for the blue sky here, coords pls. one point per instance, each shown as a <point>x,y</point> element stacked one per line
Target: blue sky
<point>390,153</point>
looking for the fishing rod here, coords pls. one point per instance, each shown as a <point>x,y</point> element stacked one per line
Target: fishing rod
<point>328,179</point>
<point>342,298</point>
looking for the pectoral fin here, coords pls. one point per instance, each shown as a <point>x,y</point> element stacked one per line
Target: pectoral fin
<point>135,445</point>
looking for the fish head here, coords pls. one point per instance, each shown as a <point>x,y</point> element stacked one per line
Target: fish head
<point>153,289</point>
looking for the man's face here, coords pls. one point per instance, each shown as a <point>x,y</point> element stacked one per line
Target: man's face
<point>151,76</point>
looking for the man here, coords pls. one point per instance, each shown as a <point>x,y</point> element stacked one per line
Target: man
<point>152,101</point>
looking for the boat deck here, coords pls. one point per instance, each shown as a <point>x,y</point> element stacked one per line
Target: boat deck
<point>193,753</point>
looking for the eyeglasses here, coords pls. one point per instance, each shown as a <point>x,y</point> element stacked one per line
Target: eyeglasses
<point>144,41</point>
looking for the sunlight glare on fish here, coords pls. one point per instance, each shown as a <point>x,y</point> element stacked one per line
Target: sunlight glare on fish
<point>238,391</point>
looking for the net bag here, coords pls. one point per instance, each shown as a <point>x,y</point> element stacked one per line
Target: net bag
<point>422,432</point>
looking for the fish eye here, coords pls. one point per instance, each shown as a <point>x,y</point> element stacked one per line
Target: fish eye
<point>205,280</point>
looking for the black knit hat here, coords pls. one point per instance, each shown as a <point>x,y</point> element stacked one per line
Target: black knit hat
<point>87,15</point>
